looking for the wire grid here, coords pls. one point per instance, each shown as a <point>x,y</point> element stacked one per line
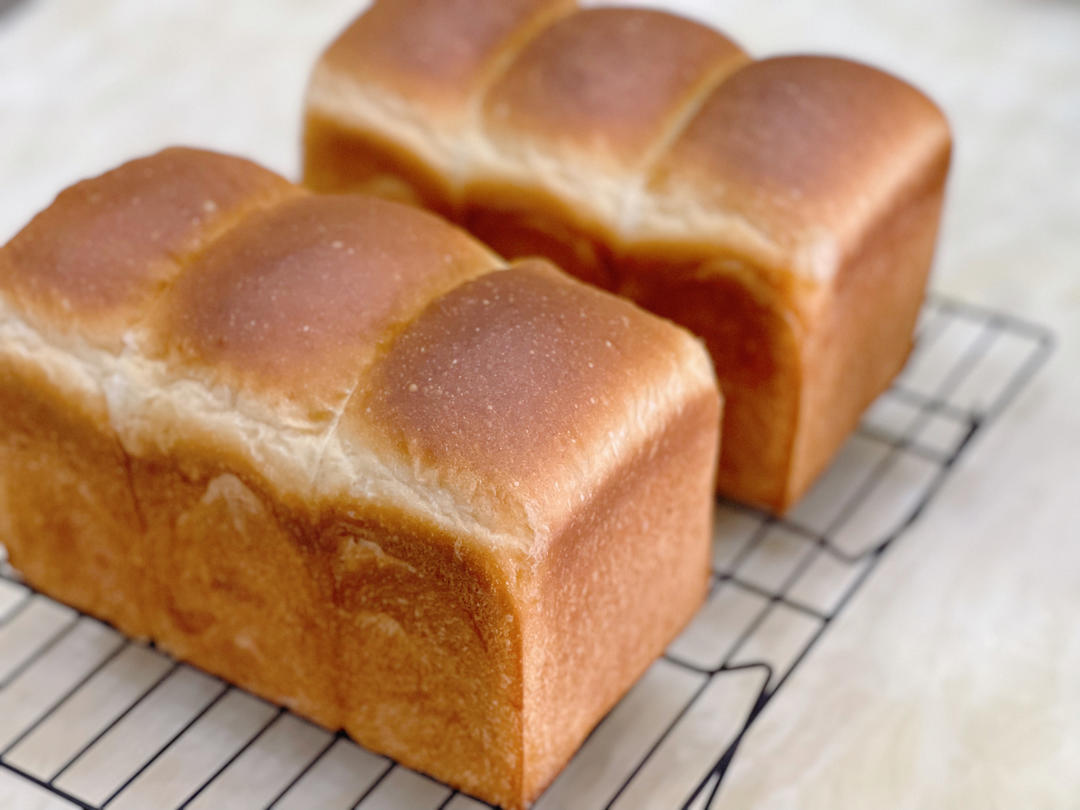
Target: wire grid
<point>92,720</point>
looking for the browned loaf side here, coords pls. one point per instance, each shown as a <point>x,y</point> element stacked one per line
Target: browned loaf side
<point>335,451</point>
<point>784,209</point>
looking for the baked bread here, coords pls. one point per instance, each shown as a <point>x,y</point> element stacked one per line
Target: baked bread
<point>335,451</point>
<point>785,209</point>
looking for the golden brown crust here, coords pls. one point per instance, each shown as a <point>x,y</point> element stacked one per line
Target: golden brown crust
<point>351,160</point>
<point>107,245</point>
<point>434,630</point>
<point>373,622</point>
<point>802,148</point>
<point>451,395</point>
<point>66,508</point>
<point>540,224</point>
<point>607,81</point>
<point>298,299</point>
<point>756,348</point>
<point>362,619</point>
<point>867,326</point>
<point>605,626</point>
<point>239,466</point>
<point>234,581</point>
<point>647,155</point>
<point>437,50</point>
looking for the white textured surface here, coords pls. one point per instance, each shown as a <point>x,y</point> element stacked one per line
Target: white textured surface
<point>16,792</point>
<point>954,679</point>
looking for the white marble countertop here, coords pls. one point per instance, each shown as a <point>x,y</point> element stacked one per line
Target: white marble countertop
<point>954,679</point>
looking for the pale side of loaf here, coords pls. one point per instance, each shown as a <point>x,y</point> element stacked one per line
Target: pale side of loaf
<point>335,451</point>
<point>784,209</point>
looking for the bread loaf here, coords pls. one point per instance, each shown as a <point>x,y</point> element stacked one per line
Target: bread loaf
<point>784,209</point>
<point>335,451</point>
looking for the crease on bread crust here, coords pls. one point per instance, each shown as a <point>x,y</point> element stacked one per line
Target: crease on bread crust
<point>150,405</point>
<point>149,409</point>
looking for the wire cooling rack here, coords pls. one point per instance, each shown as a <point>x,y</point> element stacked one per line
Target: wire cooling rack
<point>89,719</point>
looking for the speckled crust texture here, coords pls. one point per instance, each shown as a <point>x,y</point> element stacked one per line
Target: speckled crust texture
<point>783,209</point>
<point>332,449</point>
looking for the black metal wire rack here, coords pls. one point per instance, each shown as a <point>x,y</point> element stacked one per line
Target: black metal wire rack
<point>89,719</point>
